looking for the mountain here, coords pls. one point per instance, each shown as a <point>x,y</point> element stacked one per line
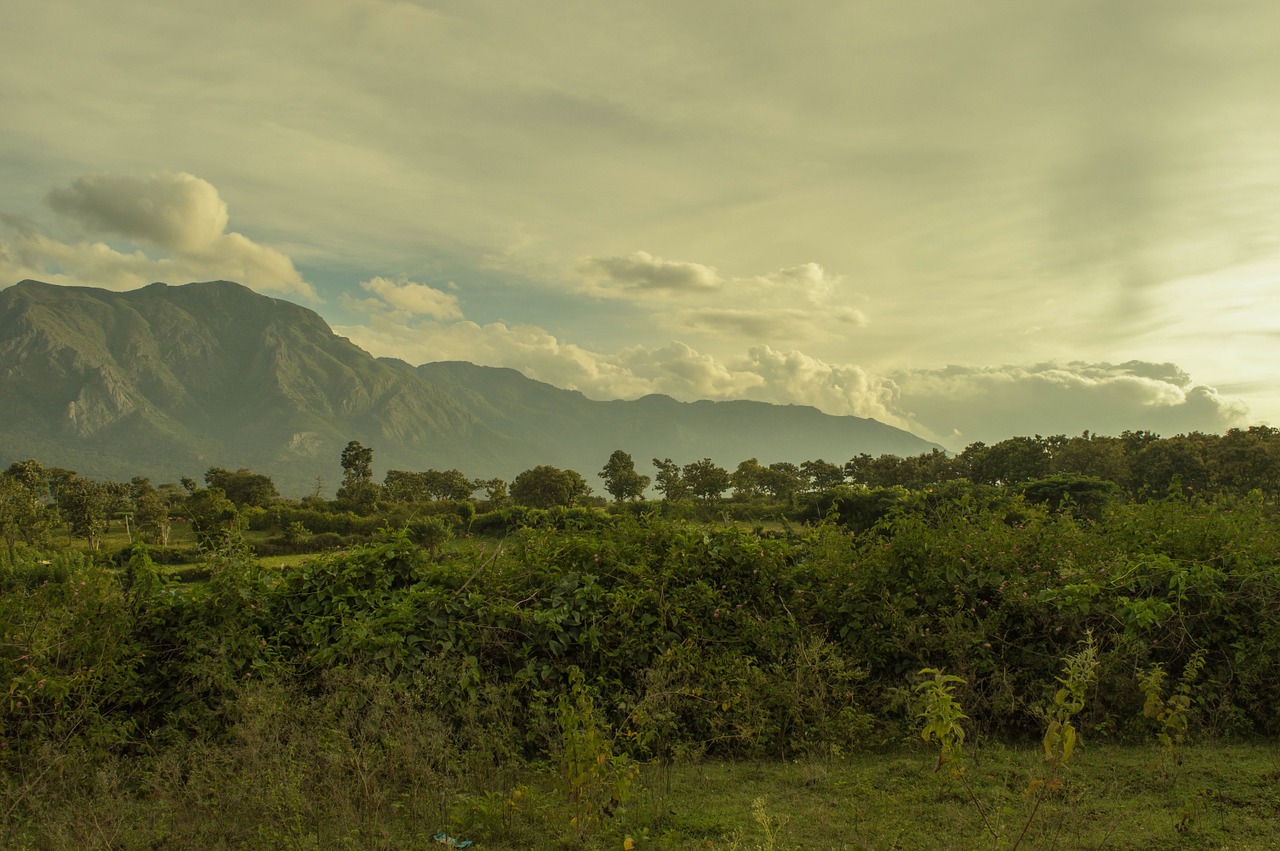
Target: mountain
<point>167,381</point>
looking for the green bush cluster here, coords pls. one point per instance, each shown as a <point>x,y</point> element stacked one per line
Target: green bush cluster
<point>685,638</point>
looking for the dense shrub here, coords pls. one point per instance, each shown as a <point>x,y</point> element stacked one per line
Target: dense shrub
<point>687,638</point>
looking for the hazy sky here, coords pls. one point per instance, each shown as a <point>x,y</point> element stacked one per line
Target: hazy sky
<point>971,219</point>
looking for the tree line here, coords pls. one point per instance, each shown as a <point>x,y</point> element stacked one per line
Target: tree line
<point>34,499</point>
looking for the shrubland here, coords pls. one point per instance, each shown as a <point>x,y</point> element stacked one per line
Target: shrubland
<point>526,675</point>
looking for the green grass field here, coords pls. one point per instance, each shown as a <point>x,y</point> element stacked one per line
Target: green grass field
<point>1225,797</point>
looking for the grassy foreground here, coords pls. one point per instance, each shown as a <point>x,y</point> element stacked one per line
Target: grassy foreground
<point>1223,796</point>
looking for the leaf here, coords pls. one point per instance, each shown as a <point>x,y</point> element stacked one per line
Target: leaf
<point>1068,741</point>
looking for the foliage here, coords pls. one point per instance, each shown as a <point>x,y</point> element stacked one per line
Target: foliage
<point>649,639</point>
<point>705,480</point>
<point>1172,713</point>
<point>243,487</point>
<point>358,488</point>
<point>212,515</point>
<point>621,479</point>
<point>547,487</point>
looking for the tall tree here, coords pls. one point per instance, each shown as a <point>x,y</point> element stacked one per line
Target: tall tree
<point>358,486</point>
<point>621,479</point>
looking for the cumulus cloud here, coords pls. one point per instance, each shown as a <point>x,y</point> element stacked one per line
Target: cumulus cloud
<point>641,272</point>
<point>960,404</point>
<point>179,214</point>
<point>413,299</point>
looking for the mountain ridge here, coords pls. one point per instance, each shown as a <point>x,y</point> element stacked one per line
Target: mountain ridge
<point>168,380</point>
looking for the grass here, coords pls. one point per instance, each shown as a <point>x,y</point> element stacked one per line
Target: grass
<point>1228,797</point>
<point>1114,797</point>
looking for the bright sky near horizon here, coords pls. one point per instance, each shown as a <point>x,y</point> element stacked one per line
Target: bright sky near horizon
<point>972,220</point>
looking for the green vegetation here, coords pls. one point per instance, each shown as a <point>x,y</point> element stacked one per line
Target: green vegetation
<point>1089,668</point>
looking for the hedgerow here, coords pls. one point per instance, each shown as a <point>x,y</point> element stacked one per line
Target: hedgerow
<point>685,638</point>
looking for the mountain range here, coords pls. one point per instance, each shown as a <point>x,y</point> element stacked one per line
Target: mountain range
<point>167,381</point>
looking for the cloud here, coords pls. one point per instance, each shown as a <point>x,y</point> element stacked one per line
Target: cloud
<point>178,213</point>
<point>953,405</point>
<point>641,272</point>
<point>795,378</point>
<point>414,299</point>
<point>962,404</point>
<point>762,323</point>
<point>808,279</point>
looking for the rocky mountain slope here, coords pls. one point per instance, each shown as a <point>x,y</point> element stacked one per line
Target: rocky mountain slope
<point>167,381</point>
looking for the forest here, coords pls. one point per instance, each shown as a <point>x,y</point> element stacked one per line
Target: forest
<point>1020,644</point>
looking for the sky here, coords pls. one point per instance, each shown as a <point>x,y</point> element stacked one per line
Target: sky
<point>972,219</point>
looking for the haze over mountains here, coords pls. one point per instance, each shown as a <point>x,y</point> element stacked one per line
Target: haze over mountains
<point>167,381</point>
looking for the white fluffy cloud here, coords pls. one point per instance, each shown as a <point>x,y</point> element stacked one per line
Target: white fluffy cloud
<point>962,404</point>
<point>177,213</point>
<point>954,405</point>
<point>412,299</point>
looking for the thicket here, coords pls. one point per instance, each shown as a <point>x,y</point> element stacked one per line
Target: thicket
<point>678,639</point>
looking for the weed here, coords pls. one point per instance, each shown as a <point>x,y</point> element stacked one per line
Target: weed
<point>1171,714</point>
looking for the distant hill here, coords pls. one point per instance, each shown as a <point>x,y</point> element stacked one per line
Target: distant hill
<point>167,381</point>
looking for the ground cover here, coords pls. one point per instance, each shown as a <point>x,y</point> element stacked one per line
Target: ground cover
<point>589,678</point>
<point>1115,797</point>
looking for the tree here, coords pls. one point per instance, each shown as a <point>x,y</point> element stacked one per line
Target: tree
<point>822,475</point>
<point>669,481</point>
<point>1175,462</point>
<point>621,479</point>
<point>150,512</point>
<point>495,491</point>
<point>1244,460</point>
<point>548,487</point>
<point>243,487</point>
<point>1092,455</point>
<point>781,479</point>
<point>83,503</point>
<point>357,464</point>
<point>358,486</point>
<point>448,484</point>
<point>402,486</point>
<point>1011,461</point>
<point>23,512</point>
<point>747,480</point>
<point>706,480</point>
<point>212,515</point>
